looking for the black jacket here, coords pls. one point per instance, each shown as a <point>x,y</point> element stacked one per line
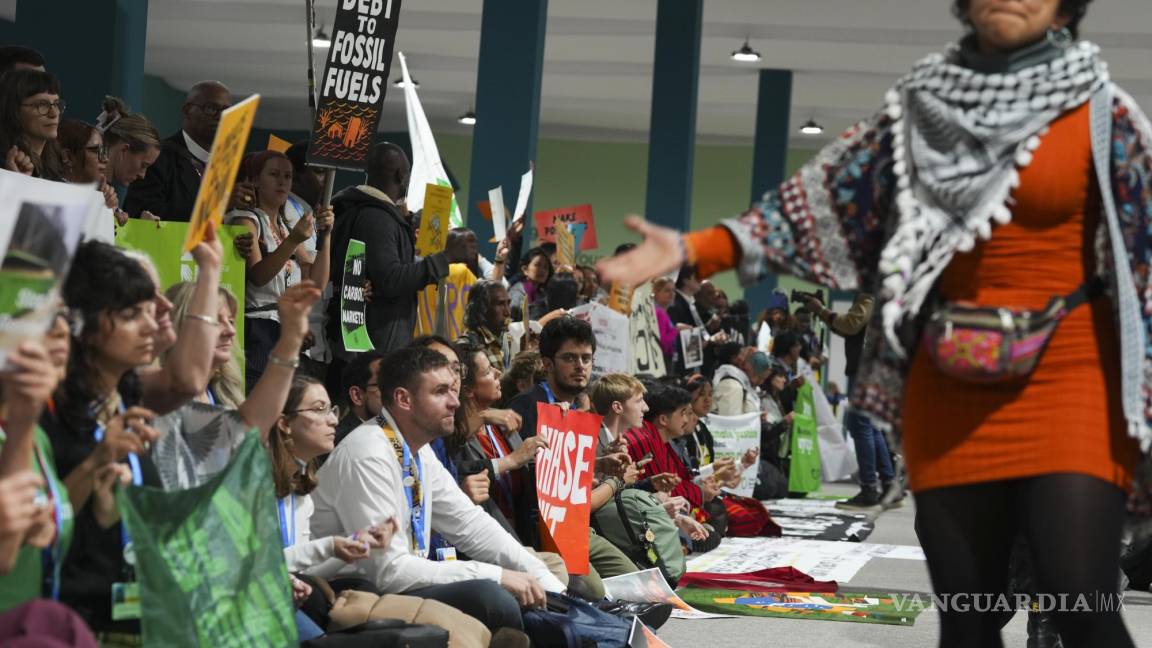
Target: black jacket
<point>169,188</point>
<point>390,243</point>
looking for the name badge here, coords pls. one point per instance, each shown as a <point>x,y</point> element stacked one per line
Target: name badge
<point>445,553</point>
<point>125,601</point>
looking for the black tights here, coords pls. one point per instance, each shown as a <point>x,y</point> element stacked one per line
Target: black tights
<point>1072,525</point>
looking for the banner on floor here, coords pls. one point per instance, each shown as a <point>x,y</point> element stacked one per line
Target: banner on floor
<point>546,224</point>
<point>210,566</point>
<point>647,356</point>
<point>733,436</point>
<point>41,223</point>
<point>804,468</point>
<point>611,331</point>
<point>157,240</point>
<point>840,606</point>
<point>564,480</point>
<point>353,308</point>
<point>220,174</point>
<point>354,83</point>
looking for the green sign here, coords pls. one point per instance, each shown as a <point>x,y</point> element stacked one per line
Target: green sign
<point>353,311</point>
<point>208,559</point>
<point>162,242</point>
<point>804,469</point>
<point>859,607</point>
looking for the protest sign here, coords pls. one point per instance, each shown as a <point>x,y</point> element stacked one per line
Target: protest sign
<point>620,297</point>
<point>209,560</point>
<point>546,230</point>
<point>611,331</point>
<point>157,240</point>
<point>649,586</point>
<point>40,225</point>
<point>821,559</point>
<point>278,144</point>
<point>353,315</point>
<point>499,224</point>
<point>646,353</point>
<point>432,238</point>
<point>804,469</point>
<point>565,244</point>
<point>564,479</point>
<point>354,83</point>
<point>858,607</point>
<point>220,174</point>
<point>733,436</point>
<point>525,193</point>
<point>427,168</point>
<point>692,346</point>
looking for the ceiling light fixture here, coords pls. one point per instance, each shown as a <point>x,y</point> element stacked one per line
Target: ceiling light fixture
<point>468,118</point>
<point>399,83</point>
<point>746,54</point>
<point>320,38</point>
<point>810,127</point>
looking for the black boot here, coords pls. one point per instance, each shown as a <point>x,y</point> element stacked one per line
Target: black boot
<point>1042,631</point>
<point>868,499</point>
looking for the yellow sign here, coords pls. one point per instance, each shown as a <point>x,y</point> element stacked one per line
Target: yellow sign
<point>442,313</point>
<point>433,234</point>
<point>278,144</point>
<point>620,298</point>
<point>565,244</point>
<point>219,176</point>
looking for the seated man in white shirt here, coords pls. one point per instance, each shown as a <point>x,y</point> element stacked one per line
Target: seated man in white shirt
<point>385,469</point>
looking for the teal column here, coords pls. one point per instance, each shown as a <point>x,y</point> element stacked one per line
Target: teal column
<point>672,134</point>
<point>95,48</point>
<point>770,157</point>
<point>508,81</point>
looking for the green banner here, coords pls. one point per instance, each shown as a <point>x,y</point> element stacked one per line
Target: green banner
<point>208,559</point>
<point>162,242</point>
<point>353,312</point>
<point>841,606</point>
<point>804,468</point>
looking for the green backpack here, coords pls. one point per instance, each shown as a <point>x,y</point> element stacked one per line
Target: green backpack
<point>637,524</point>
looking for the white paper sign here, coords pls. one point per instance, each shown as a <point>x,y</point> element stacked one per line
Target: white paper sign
<point>647,356</point>
<point>499,225</point>
<point>612,343</point>
<point>733,436</point>
<point>649,586</point>
<point>525,192</point>
<point>692,346</point>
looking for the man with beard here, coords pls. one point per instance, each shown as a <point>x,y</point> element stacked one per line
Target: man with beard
<point>386,470</point>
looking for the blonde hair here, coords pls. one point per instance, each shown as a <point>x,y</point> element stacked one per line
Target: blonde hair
<point>659,283</point>
<point>227,383</point>
<point>612,388</point>
<point>119,125</point>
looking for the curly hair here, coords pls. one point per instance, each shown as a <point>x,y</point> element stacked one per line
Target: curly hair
<point>476,313</point>
<point>1073,9</point>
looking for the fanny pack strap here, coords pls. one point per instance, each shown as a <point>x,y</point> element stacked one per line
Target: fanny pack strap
<point>1087,291</point>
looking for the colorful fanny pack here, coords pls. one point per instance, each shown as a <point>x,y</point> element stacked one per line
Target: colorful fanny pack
<point>989,345</point>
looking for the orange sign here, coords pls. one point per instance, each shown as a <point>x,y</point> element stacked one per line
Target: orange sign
<point>220,174</point>
<point>564,480</point>
<point>546,220</point>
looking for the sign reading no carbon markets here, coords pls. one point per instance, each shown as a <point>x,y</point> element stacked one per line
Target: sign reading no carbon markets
<point>354,83</point>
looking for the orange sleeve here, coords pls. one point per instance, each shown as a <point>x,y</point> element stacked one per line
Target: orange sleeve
<point>712,250</point>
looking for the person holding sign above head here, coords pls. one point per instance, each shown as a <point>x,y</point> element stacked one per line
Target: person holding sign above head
<point>385,469</point>
<point>279,258</point>
<point>375,214</point>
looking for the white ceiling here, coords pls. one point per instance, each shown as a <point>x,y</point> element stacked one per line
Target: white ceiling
<point>598,57</point>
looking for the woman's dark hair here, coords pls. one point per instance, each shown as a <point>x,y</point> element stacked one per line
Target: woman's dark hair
<point>562,329</point>
<point>73,136</point>
<point>695,382</point>
<point>286,473</point>
<point>102,280</point>
<point>686,272</point>
<point>562,292</point>
<point>1073,9</point>
<point>468,352</point>
<point>782,344</point>
<point>664,399</point>
<point>479,299</point>
<point>531,254</point>
<point>13,55</point>
<point>15,88</point>
<point>728,352</point>
<point>525,366</point>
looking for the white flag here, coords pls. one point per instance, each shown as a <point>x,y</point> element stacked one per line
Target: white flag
<point>426,165</point>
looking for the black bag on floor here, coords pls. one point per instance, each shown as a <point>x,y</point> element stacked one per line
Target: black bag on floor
<point>571,623</point>
<point>383,633</point>
<point>771,484</point>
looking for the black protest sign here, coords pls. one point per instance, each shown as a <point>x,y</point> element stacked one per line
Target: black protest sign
<point>354,83</point>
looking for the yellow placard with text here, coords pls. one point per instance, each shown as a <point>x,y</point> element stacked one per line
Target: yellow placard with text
<point>565,244</point>
<point>220,174</point>
<point>434,223</point>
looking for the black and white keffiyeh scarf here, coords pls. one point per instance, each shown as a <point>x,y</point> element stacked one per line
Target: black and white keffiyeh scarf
<point>960,138</point>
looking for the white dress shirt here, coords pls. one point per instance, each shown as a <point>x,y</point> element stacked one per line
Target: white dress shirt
<point>304,554</point>
<point>195,149</point>
<point>361,485</point>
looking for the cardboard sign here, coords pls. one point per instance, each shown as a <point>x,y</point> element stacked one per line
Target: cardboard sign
<point>354,83</point>
<point>353,316</point>
<point>546,230</point>
<point>432,238</point>
<point>220,174</point>
<point>565,244</point>
<point>692,346</point>
<point>496,207</point>
<point>278,144</point>
<point>733,436</point>
<point>611,331</point>
<point>564,480</point>
<point>620,297</point>
<point>40,225</point>
<point>647,354</point>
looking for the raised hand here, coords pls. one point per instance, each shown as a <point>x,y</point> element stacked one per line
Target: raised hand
<point>659,253</point>
<point>294,304</point>
<point>303,229</point>
<point>476,487</point>
<point>325,217</point>
<point>18,161</point>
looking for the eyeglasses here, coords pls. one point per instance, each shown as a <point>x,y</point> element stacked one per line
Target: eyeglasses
<point>573,358</point>
<point>331,409</point>
<point>44,107</point>
<point>210,109</point>
<point>100,152</point>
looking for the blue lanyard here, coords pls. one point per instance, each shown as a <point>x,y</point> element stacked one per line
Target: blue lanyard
<point>137,477</point>
<point>548,392</point>
<point>53,561</point>
<point>287,517</point>
<point>411,479</point>
<point>210,396</point>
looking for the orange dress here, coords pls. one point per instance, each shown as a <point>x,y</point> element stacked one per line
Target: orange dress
<point>1067,416</point>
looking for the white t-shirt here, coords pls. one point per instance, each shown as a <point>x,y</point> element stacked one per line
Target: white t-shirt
<point>260,301</point>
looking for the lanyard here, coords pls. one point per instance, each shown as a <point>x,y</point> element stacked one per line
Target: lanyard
<point>210,396</point>
<point>53,561</point>
<point>411,470</point>
<point>548,392</point>
<point>287,539</point>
